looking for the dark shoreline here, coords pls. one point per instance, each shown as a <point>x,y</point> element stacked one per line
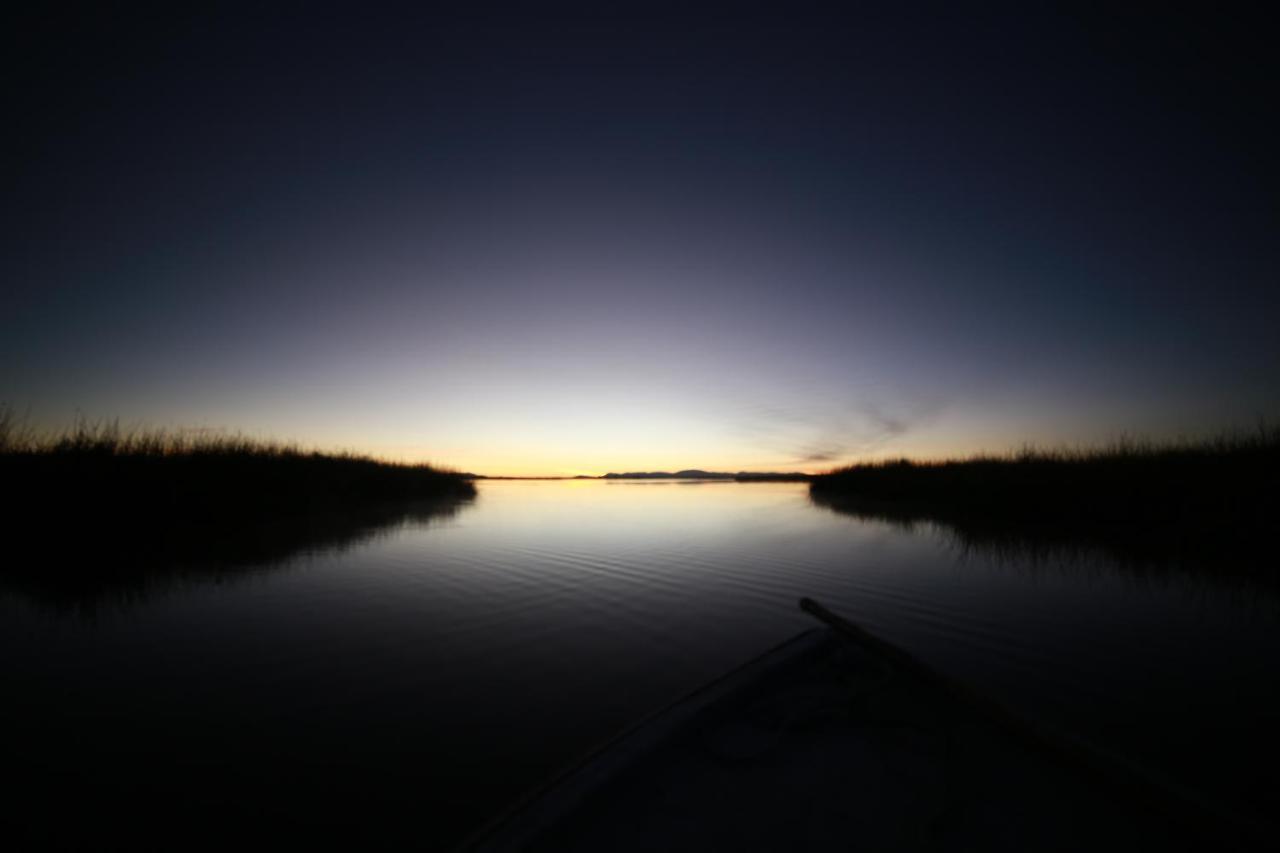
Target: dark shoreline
<point>1207,506</point>
<point>105,515</point>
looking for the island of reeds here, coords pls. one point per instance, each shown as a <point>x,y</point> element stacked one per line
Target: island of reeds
<point>1209,503</point>
<point>99,508</point>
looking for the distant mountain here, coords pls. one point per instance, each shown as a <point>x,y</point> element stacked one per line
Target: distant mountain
<point>687,474</point>
<point>699,474</point>
<point>772,477</point>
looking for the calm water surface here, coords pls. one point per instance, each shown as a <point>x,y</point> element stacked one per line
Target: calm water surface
<point>406,687</point>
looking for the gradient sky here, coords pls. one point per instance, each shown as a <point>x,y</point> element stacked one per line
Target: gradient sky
<point>561,243</point>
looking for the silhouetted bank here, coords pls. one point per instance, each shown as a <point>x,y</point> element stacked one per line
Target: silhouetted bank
<point>110,514</point>
<point>686,474</point>
<point>1210,504</point>
<point>699,474</point>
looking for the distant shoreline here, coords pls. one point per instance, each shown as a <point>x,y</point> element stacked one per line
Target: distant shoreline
<point>688,475</point>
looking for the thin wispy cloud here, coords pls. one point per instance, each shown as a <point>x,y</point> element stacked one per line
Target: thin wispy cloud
<point>830,432</point>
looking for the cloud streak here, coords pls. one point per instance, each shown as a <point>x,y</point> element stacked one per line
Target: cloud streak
<point>830,432</point>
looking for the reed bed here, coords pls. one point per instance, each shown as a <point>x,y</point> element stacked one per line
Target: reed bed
<point>97,500</point>
<point>1210,502</point>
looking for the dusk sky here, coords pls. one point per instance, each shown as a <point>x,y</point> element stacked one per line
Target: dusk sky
<point>547,243</point>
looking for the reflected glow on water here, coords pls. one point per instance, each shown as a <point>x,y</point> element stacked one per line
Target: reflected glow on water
<point>404,689</point>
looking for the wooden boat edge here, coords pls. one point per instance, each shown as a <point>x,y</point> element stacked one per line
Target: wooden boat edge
<point>558,797</point>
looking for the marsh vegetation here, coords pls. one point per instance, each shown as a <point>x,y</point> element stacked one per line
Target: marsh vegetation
<point>114,512</point>
<point>1196,504</point>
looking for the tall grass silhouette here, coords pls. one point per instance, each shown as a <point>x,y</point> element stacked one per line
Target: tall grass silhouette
<point>97,508</point>
<point>1209,503</point>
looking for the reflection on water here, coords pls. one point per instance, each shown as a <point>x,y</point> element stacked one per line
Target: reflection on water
<point>402,689</point>
<point>1212,555</point>
<point>82,573</point>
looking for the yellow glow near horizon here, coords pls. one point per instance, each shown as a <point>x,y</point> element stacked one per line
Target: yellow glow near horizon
<point>596,462</point>
<point>568,438</point>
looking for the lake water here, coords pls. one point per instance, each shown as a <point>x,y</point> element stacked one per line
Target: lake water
<point>403,687</point>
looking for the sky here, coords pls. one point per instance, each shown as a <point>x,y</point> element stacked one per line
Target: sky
<point>553,242</point>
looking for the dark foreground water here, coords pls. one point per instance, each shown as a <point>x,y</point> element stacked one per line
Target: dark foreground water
<point>403,686</point>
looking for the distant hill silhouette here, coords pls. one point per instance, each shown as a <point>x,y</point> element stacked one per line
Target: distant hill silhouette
<point>699,474</point>
<point>686,474</point>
